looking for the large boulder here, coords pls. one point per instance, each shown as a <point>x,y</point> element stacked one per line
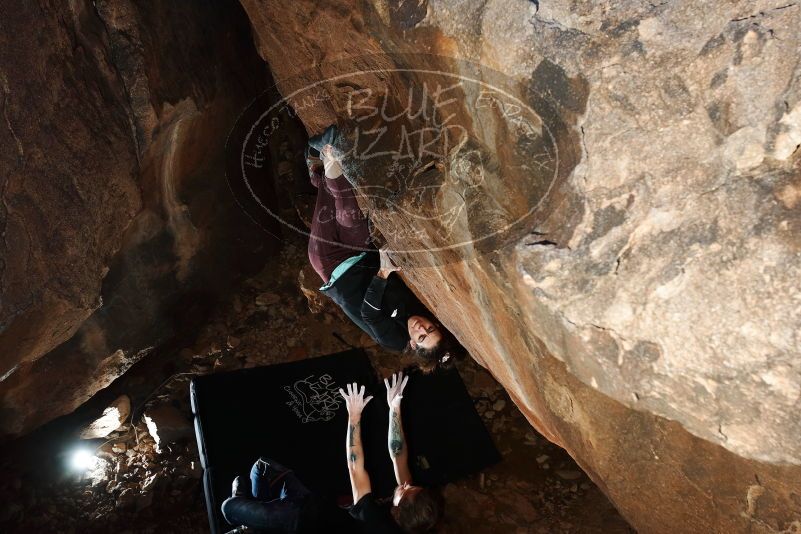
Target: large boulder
<point>625,254</point>
<point>119,229</point>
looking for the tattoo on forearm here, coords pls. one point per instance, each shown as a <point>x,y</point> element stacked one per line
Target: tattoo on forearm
<point>352,429</point>
<point>351,434</point>
<point>395,434</point>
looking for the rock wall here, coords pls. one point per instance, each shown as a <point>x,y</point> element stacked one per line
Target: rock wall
<point>118,226</point>
<point>639,296</point>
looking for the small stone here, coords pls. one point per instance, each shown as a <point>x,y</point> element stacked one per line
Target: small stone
<point>568,474</point>
<point>489,414</point>
<point>126,499</point>
<point>195,470</point>
<point>542,458</point>
<point>225,362</point>
<point>499,405</point>
<point>522,506</point>
<point>143,445</point>
<point>113,417</point>
<point>152,482</point>
<point>530,438</point>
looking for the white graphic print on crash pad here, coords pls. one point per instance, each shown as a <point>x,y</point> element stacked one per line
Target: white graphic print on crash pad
<point>314,399</point>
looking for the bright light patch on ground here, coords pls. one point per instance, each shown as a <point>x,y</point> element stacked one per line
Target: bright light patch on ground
<point>83,460</point>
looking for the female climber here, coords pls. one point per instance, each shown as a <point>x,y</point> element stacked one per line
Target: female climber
<point>361,279</point>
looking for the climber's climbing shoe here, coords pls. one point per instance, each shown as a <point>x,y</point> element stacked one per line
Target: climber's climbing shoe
<point>328,137</point>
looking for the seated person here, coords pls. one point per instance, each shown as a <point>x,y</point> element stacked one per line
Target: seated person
<point>276,501</point>
<point>413,508</point>
<point>358,277</point>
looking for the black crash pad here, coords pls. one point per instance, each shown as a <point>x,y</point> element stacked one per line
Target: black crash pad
<point>292,412</point>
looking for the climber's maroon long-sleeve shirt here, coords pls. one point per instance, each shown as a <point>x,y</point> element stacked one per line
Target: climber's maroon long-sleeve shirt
<point>339,228</point>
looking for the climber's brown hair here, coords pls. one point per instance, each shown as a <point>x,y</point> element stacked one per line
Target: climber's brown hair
<point>443,355</point>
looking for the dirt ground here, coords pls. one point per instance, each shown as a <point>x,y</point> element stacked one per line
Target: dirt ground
<point>536,488</point>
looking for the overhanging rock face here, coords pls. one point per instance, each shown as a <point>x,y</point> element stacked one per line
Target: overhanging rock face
<point>627,263</point>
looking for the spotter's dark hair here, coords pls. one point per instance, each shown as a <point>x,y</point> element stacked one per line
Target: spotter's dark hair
<point>421,512</point>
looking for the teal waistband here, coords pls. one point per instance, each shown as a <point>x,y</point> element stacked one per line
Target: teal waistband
<point>341,269</point>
